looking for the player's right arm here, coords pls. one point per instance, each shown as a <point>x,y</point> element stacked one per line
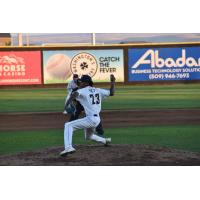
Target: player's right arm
<point>112,85</point>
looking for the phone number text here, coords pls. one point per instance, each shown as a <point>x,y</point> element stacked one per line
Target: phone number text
<point>169,76</point>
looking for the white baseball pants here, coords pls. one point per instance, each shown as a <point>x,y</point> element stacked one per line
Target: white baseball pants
<point>88,123</point>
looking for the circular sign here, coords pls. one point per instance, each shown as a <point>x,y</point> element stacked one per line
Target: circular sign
<point>84,64</point>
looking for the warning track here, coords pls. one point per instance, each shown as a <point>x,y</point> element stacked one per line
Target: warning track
<point>111,118</point>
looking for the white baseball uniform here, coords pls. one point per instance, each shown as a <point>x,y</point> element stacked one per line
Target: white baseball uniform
<point>90,98</point>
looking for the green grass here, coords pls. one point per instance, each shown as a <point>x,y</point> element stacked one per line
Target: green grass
<point>33,99</point>
<point>129,97</point>
<point>179,137</point>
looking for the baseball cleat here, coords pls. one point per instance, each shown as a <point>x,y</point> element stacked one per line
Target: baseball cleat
<point>108,141</point>
<point>69,150</point>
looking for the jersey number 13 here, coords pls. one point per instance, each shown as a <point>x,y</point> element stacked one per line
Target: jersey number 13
<point>95,98</point>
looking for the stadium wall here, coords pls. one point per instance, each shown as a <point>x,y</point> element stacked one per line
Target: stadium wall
<point>143,63</point>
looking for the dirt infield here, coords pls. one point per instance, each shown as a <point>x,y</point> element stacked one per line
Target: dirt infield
<point>117,118</point>
<point>97,155</point>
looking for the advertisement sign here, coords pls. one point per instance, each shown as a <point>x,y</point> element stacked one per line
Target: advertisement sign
<point>60,65</point>
<point>157,64</point>
<point>20,67</point>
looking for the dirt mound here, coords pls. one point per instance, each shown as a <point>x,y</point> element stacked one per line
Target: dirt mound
<point>98,155</point>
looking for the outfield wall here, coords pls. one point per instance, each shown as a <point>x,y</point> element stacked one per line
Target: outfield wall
<point>130,63</point>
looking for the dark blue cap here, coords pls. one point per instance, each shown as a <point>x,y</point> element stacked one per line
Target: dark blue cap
<point>86,79</point>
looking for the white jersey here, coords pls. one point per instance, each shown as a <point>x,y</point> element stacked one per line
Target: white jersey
<point>91,98</point>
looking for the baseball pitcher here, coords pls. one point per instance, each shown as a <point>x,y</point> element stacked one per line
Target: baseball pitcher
<point>90,98</point>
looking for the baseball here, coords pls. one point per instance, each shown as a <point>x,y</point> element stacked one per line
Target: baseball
<point>58,67</point>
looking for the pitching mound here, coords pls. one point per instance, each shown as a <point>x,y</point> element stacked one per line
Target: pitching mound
<point>124,155</point>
